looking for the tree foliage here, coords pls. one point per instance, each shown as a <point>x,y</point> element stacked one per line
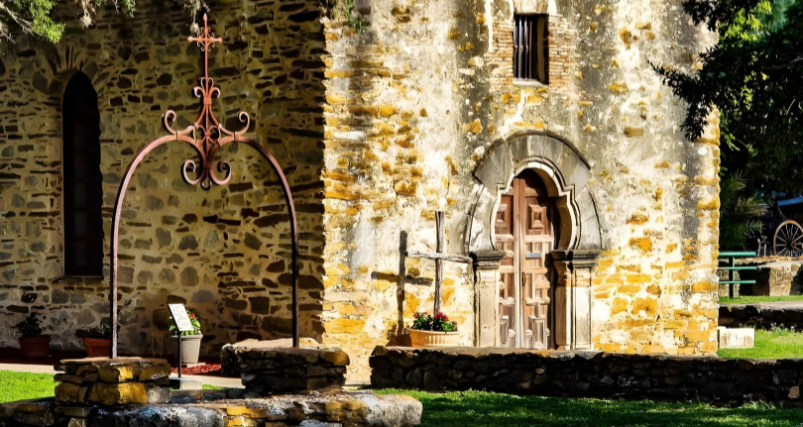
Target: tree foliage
<point>754,76</point>
<point>740,214</point>
<point>34,16</point>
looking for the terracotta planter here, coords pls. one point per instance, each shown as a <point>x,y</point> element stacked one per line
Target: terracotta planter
<point>433,338</point>
<point>190,348</point>
<point>97,347</point>
<point>35,346</point>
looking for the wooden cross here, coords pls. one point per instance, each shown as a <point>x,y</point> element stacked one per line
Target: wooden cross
<point>439,258</point>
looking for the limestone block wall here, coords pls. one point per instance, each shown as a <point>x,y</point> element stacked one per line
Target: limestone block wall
<point>226,252</point>
<point>426,93</point>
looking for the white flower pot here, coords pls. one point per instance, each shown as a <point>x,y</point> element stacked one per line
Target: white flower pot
<point>190,348</point>
<point>434,338</point>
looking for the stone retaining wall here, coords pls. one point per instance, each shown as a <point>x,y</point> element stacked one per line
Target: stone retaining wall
<point>762,316</point>
<point>590,374</point>
<point>266,368</point>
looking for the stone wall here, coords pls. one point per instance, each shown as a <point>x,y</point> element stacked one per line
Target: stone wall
<point>267,368</point>
<point>226,252</point>
<point>729,382</point>
<point>762,316</point>
<point>425,94</point>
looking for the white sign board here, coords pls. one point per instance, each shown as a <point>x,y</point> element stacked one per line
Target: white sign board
<point>180,317</point>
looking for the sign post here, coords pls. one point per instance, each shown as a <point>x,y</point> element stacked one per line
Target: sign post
<point>183,324</point>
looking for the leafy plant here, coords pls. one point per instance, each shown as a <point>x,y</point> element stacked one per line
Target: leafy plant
<point>195,321</point>
<point>104,329</point>
<point>34,16</point>
<point>440,323</point>
<point>750,77</point>
<point>29,326</point>
<point>739,214</point>
<point>346,9</point>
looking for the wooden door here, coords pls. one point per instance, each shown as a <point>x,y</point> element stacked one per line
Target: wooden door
<point>524,230</point>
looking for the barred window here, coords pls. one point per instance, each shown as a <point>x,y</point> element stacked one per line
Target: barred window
<point>531,48</point>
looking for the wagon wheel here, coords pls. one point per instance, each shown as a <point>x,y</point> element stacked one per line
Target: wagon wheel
<point>788,239</point>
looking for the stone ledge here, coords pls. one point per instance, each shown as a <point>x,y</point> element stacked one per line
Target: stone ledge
<point>337,409</point>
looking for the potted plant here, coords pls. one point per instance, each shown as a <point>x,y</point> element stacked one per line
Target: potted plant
<point>190,340</point>
<point>98,340</point>
<point>32,342</point>
<point>433,331</point>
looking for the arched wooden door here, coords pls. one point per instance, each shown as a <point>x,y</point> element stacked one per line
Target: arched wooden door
<point>525,229</point>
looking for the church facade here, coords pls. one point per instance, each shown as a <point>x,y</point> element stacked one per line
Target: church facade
<point>537,126</point>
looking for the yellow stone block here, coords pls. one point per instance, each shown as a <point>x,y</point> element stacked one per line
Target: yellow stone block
<point>474,127</point>
<point>116,374</point>
<point>643,243</point>
<point>344,326</point>
<point>632,132</point>
<point>618,86</point>
<point>387,110</point>
<point>648,305</point>
<point>353,405</point>
<point>698,335</point>
<point>619,305</point>
<point>705,286</point>
<point>118,394</point>
<point>337,358</point>
<point>629,289</point>
<point>639,278</point>
<point>652,349</point>
<point>709,347</point>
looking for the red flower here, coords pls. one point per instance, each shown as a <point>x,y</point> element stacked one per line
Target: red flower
<point>417,315</point>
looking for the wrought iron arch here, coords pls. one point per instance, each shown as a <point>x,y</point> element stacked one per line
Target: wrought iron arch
<point>206,135</point>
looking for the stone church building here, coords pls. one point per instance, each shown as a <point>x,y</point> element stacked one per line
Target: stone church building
<point>537,126</point>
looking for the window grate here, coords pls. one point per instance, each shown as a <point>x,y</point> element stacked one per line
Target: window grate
<point>530,48</point>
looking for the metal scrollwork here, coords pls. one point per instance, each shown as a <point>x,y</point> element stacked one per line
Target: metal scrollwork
<point>206,135</point>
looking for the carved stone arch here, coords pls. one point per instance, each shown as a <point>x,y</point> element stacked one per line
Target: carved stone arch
<point>565,173</point>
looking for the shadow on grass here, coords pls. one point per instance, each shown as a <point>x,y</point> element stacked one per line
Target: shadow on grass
<point>464,409</point>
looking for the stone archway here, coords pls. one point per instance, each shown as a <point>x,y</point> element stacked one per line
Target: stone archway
<point>565,174</point>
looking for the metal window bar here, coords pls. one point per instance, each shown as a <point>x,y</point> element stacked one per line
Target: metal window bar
<point>530,47</point>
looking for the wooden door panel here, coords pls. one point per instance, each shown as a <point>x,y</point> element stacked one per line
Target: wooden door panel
<point>524,230</point>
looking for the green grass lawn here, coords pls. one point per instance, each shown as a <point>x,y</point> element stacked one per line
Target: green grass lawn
<point>776,344</point>
<point>480,409</point>
<point>24,385</point>
<point>752,300</point>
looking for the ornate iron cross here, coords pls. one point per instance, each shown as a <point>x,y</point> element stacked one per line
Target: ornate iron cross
<point>207,136</point>
<point>439,258</point>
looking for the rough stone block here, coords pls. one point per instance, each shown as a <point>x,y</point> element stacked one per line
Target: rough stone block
<point>736,337</point>
<point>109,394</point>
<point>116,370</point>
<point>69,393</point>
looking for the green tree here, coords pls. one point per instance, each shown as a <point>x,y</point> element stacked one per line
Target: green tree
<point>740,214</point>
<point>754,76</point>
<point>33,16</point>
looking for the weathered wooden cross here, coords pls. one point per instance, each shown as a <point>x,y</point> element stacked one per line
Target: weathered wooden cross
<point>439,258</point>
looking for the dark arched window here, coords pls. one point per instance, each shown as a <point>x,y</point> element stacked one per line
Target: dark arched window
<point>83,191</point>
